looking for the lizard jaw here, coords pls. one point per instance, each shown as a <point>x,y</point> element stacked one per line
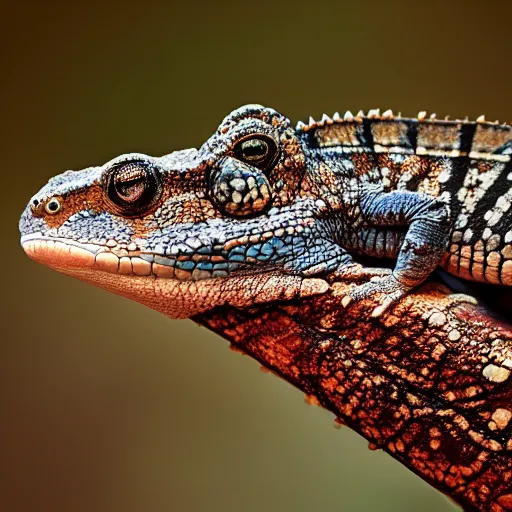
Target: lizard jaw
<point>167,294</point>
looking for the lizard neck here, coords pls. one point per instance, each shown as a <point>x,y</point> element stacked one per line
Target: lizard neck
<point>336,180</point>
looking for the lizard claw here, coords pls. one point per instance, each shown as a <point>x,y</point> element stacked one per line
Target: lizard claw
<point>346,301</point>
<point>389,286</point>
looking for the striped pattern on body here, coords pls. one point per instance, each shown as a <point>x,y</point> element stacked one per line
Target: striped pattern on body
<point>468,164</point>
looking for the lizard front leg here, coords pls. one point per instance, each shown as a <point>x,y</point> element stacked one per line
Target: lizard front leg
<point>428,223</point>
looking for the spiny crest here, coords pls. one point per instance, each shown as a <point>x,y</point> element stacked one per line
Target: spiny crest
<point>424,135</point>
<point>387,115</point>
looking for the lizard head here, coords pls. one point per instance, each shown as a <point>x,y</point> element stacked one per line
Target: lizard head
<point>188,231</point>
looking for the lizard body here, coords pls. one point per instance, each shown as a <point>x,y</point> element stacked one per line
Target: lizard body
<point>244,223</point>
<point>263,211</point>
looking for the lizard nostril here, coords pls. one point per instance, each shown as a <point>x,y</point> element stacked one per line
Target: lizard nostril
<point>35,202</point>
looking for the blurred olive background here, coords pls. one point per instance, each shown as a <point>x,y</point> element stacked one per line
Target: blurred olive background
<point>109,406</point>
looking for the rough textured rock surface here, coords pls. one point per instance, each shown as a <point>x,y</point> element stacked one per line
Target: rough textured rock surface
<point>428,382</point>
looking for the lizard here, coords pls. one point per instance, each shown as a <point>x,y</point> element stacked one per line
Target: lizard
<point>261,214</point>
<point>264,211</point>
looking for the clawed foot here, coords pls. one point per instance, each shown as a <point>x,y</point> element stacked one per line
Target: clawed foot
<point>381,282</point>
<point>389,286</point>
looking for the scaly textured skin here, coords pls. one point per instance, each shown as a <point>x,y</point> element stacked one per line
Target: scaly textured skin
<point>428,383</point>
<point>268,217</point>
<point>260,197</point>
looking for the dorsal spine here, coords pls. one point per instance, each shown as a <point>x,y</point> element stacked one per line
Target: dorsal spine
<point>424,135</point>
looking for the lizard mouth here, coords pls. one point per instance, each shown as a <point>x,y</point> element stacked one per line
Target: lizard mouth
<point>57,253</point>
<point>70,255</point>
<point>144,282</point>
<point>161,288</point>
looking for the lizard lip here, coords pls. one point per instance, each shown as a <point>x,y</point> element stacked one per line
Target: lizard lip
<point>58,253</point>
<point>94,264</point>
<point>63,254</point>
<point>176,297</point>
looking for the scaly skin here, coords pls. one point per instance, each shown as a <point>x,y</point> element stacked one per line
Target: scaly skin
<point>261,198</point>
<point>429,383</point>
<point>264,214</point>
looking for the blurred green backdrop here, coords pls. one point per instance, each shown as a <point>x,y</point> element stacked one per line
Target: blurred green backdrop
<point>108,406</point>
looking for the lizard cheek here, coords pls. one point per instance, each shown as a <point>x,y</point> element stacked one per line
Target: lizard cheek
<point>239,190</point>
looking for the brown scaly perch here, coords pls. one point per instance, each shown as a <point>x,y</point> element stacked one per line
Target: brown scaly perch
<point>429,382</point>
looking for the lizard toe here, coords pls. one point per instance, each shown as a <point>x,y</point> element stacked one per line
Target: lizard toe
<point>388,287</point>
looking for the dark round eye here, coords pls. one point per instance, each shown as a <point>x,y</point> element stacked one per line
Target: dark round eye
<point>258,150</point>
<point>132,187</point>
<point>52,206</point>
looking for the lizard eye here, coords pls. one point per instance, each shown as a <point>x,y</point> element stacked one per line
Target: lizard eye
<point>132,187</point>
<point>52,206</point>
<point>258,150</point>
<point>238,189</point>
